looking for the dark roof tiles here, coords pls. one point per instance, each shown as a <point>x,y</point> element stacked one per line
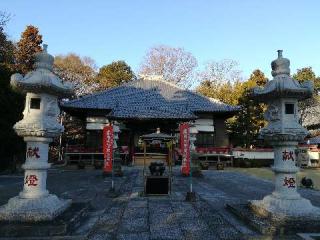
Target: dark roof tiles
<point>149,99</point>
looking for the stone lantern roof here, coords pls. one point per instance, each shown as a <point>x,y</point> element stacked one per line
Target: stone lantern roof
<point>282,85</point>
<point>42,79</point>
<point>157,136</point>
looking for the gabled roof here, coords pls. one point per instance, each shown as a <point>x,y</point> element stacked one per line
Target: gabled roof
<point>148,99</point>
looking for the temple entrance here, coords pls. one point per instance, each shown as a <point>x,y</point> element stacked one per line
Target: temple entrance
<point>158,173</point>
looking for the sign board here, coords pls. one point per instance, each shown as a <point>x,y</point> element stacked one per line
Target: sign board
<point>185,148</point>
<point>107,148</point>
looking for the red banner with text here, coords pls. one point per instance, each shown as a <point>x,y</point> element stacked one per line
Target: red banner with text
<point>185,148</point>
<point>107,148</point>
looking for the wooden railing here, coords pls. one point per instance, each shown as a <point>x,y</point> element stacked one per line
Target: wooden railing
<point>224,150</point>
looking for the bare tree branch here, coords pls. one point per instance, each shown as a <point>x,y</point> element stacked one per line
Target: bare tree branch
<point>79,71</point>
<point>4,19</point>
<point>220,72</point>
<point>173,64</point>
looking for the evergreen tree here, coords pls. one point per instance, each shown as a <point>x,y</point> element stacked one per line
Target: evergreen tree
<point>114,74</point>
<point>244,127</point>
<point>221,80</point>
<point>226,92</point>
<point>257,78</point>
<point>6,50</point>
<point>308,107</point>
<point>307,73</point>
<point>11,107</point>
<point>28,45</point>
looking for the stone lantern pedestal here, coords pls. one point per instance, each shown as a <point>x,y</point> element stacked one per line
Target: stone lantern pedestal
<point>285,202</point>
<point>38,128</point>
<point>34,203</point>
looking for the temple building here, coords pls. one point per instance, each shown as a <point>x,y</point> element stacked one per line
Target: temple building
<point>140,107</point>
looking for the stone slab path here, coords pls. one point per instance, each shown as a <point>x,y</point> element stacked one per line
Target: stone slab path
<point>134,217</point>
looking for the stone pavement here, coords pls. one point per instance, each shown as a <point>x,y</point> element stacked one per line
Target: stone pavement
<point>133,216</point>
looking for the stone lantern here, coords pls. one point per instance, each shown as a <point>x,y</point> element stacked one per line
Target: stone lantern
<point>193,136</point>
<point>284,133</point>
<point>193,154</point>
<point>116,131</point>
<point>191,195</point>
<point>116,156</point>
<point>38,128</point>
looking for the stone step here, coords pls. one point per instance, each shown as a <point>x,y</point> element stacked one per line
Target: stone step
<point>64,225</point>
<point>289,226</point>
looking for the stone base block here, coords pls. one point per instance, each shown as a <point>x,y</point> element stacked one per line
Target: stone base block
<point>33,210</point>
<point>275,207</point>
<point>63,225</point>
<point>191,197</point>
<point>272,224</point>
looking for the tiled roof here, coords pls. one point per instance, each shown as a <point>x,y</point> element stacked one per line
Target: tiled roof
<point>145,99</point>
<point>314,140</point>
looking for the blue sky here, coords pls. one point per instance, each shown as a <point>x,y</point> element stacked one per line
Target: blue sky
<point>247,31</point>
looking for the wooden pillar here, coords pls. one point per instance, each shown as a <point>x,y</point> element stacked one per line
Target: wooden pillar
<point>131,145</point>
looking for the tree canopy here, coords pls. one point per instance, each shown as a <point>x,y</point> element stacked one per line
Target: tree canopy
<point>244,127</point>
<point>78,70</point>
<point>307,73</point>
<point>257,78</point>
<point>6,46</point>
<point>27,46</point>
<point>308,108</point>
<point>173,64</point>
<point>114,74</point>
<point>11,103</point>
<point>221,80</point>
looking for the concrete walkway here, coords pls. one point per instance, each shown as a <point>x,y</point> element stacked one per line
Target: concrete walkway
<point>132,216</point>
